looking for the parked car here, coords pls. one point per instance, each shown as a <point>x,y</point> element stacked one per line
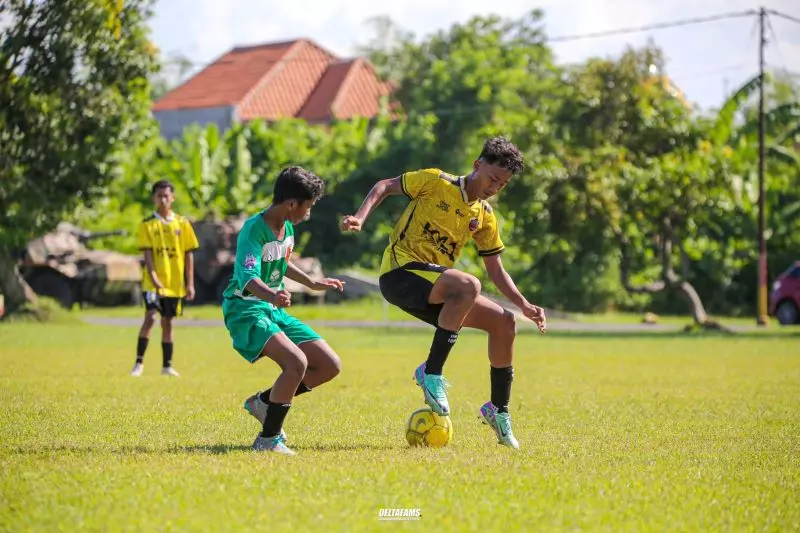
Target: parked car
<point>784,301</point>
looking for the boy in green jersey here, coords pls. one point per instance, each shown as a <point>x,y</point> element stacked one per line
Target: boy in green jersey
<point>254,306</point>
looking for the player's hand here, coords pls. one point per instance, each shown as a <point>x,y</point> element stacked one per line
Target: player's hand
<point>190,293</point>
<point>329,283</point>
<point>282,298</point>
<point>536,314</point>
<point>351,223</point>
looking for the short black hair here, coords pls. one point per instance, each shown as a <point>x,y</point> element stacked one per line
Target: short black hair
<point>162,184</point>
<point>297,183</point>
<point>502,152</point>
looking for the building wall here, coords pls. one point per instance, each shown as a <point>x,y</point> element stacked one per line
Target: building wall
<point>172,122</point>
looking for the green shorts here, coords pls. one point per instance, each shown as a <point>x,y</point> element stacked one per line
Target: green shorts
<point>252,323</point>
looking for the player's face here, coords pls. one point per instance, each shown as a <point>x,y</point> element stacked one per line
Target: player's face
<point>163,199</point>
<point>300,212</point>
<point>491,179</point>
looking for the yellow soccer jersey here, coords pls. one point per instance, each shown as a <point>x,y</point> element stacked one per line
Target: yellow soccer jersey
<point>169,241</point>
<point>439,221</point>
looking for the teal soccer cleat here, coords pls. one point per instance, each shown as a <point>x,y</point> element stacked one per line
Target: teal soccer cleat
<point>500,423</point>
<point>434,388</point>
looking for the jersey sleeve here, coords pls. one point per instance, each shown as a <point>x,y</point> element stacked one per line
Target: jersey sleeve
<point>488,235</point>
<point>248,258</point>
<point>419,182</point>
<point>188,236</point>
<point>144,240</point>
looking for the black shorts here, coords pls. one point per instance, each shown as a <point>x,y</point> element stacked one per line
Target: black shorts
<point>165,305</point>
<point>410,292</point>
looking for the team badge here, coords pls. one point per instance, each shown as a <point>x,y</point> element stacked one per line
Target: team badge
<point>250,261</point>
<point>473,224</point>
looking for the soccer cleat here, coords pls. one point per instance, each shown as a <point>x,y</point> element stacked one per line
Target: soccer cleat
<point>138,368</point>
<point>272,444</point>
<point>434,388</point>
<point>500,423</point>
<point>169,371</point>
<point>256,407</point>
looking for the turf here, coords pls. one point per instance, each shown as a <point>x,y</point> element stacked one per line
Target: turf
<point>635,433</point>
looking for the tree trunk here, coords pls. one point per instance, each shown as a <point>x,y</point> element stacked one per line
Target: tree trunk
<point>669,279</point>
<point>15,290</point>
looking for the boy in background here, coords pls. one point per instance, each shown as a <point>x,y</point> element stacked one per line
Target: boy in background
<point>167,241</point>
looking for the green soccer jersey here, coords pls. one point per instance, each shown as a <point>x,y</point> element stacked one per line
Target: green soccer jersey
<point>260,254</point>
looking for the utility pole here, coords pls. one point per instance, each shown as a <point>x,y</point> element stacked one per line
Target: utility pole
<point>762,317</point>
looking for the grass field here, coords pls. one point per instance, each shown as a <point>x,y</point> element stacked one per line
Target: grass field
<point>658,432</point>
<point>374,309</point>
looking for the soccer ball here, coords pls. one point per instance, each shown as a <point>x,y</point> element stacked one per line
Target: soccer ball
<point>426,428</point>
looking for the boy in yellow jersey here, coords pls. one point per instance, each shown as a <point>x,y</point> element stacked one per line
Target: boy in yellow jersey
<point>417,273</point>
<point>167,241</point>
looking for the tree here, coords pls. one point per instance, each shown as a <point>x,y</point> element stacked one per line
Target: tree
<point>73,89</point>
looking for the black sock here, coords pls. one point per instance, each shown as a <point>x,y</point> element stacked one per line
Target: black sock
<point>276,413</point>
<point>443,341</point>
<point>166,352</point>
<point>501,387</point>
<point>141,347</point>
<point>301,389</point>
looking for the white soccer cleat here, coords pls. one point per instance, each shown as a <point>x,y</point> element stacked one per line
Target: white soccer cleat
<point>169,371</point>
<point>138,368</point>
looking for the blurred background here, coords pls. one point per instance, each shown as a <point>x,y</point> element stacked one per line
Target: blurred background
<point>662,140</point>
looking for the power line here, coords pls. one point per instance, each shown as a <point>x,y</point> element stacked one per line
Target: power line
<point>783,15</point>
<point>780,57</point>
<point>658,26</point>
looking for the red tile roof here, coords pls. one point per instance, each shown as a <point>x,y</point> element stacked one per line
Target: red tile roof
<point>289,79</point>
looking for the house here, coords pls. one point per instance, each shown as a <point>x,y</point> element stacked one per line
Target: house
<point>270,81</point>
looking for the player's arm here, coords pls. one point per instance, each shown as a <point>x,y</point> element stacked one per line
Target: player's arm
<point>381,190</point>
<point>149,264</point>
<point>296,274</point>
<point>146,245</point>
<point>190,244</point>
<point>189,261</point>
<point>258,288</point>
<point>247,271</point>
<point>503,281</point>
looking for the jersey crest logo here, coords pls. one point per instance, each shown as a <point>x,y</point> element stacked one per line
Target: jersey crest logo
<point>274,276</point>
<point>473,224</point>
<point>178,232</point>
<point>250,261</point>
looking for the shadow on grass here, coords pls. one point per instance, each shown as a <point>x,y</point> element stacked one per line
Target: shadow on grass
<point>210,449</point>
<point>222,449</point>
<point>83,450</point>
<point>611,335</point>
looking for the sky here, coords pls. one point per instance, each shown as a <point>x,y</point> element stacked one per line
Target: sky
<point>706,61</point>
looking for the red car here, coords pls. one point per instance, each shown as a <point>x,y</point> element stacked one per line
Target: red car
<point>784,302</point>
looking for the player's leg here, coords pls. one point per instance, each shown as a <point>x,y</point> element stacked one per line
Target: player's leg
<point>501,326</point>
<point>323,362</point>
<point>456,291</point>
<point>293,364</point>
<point>169,310</point>
<point>150,311</point>
<point>442,297</point>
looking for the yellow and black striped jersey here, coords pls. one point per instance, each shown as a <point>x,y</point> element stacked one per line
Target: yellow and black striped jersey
<point>439,221</point>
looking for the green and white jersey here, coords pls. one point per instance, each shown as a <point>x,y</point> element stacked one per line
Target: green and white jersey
<point>259,254</point>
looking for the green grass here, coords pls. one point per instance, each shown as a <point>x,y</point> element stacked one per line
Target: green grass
<point>664,433</point>
<point>374,309</point>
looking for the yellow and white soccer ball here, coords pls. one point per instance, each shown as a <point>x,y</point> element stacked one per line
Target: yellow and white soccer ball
<point>426,428</point>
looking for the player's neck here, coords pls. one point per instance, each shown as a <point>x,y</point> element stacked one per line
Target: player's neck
<point>470,187</point>
<point>275,217</point>
<point>166,214</point>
